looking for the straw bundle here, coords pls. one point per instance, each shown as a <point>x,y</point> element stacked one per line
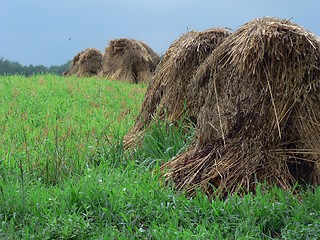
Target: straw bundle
<point>129,60</point>
<point>86,63</point>
<point>173,91</point>
<point>261,118</point>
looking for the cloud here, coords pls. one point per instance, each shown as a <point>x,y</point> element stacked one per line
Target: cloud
<point>43,26</point>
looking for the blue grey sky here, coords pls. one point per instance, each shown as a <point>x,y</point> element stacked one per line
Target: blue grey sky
<point>38,31</point>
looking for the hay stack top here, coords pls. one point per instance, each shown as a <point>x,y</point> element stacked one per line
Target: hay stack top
<point>86,63</point>
<point>173,86</point>
<point>129,60</point>
<point>264,53</point>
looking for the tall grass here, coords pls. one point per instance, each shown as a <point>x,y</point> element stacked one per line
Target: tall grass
<point>54,127</point>
<point>65,175</point>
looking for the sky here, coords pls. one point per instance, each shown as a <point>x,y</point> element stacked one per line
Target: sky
<point>52,32</point>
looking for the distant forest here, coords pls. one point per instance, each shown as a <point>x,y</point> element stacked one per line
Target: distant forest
<point>14,68</point>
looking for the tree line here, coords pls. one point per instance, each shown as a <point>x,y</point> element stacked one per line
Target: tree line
<point>14,68</point>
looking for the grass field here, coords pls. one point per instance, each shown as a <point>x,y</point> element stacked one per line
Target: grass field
<point>65,175</point>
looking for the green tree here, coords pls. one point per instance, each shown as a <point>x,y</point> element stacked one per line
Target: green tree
<point>12,68</point>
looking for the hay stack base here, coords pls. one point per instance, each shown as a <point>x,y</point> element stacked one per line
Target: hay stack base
<point>173,92</point>
<point>129,60</point>
<point>260,122</point>
<point>86,63</point>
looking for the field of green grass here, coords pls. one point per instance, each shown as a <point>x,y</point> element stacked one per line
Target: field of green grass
<point>65,175</point>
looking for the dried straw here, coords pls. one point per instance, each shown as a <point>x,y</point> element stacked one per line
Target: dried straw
<point>87,63</point>
<point>129,60</point>
<point>261,117</point>
<point>173,91</point>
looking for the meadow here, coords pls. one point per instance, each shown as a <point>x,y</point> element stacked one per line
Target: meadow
<point>65,175</point>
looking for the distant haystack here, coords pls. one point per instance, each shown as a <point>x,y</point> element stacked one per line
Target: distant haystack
<point>86,63</point>
<point>261,119</point>
<point>173,91</point>
<point>129,60</point>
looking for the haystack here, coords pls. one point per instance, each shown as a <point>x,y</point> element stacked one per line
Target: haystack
<point>261,119</point>
<point>86,63</point>
<point>173,91</point>
<point>129,60</point>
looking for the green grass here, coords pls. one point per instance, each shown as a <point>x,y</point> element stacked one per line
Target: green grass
<point>64,174</point>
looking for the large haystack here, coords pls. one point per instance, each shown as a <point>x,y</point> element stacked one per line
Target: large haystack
<point>86,63</point>
<point>129,60</point>
<point>261,118</point>
<point>173,91</point>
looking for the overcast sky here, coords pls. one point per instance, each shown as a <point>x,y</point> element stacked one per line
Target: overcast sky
<point>38,31</point>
